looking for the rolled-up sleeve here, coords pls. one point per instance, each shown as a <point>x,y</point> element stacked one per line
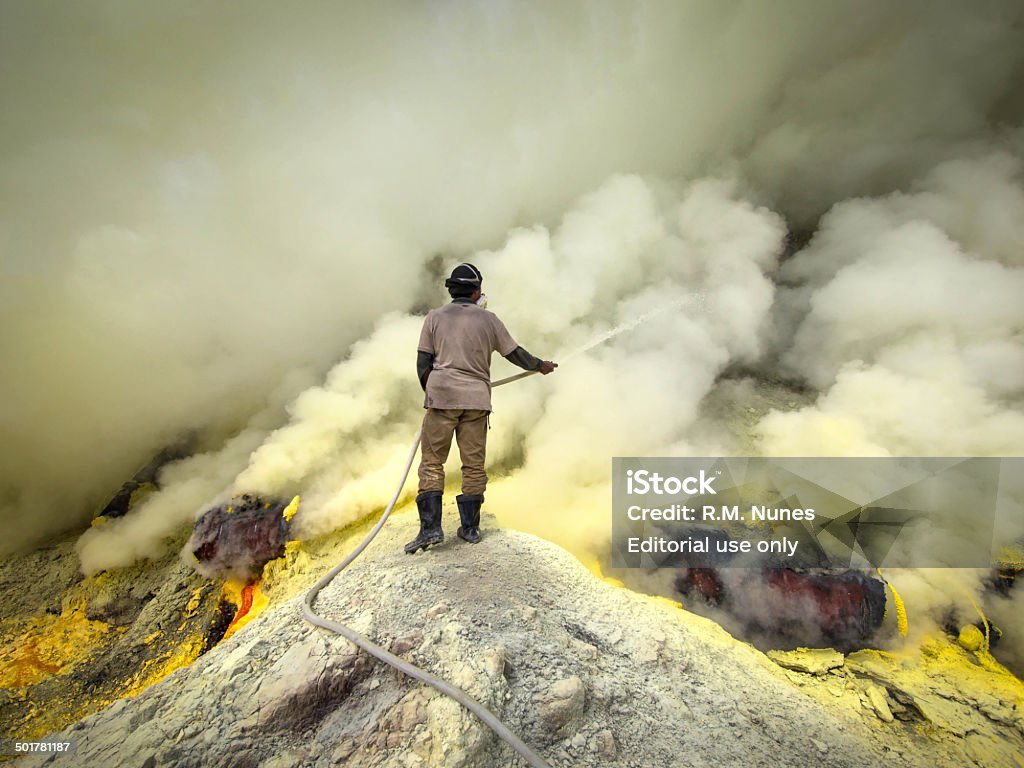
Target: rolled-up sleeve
<point>504,342</point>
<point>427,337</point>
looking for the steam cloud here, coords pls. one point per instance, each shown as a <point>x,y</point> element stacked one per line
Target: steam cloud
<point>911,320</point>
<point>201,212</point>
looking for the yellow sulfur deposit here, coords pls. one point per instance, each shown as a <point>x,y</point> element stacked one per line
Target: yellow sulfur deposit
<point>278,574</point>
<point>39,649</point>
<point>156,670</point>
<point>978,673</point>
<point>971,638</point>
<point>594,566</point>
<point>291,509</point>
<point>47,645</point>
<point>901,610</point>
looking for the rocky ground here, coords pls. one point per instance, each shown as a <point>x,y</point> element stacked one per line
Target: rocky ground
<point>70,645</point>
<point>587,673</point>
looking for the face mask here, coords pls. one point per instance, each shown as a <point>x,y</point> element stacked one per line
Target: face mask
<point>482,301</point>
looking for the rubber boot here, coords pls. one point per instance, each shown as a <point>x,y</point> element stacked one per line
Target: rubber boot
<point>469,514</point>
<point>429,505</point>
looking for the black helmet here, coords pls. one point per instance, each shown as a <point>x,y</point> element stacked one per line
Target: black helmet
<point>464,276</point>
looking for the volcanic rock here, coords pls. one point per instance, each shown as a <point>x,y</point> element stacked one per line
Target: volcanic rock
<point>237,538</point>
<point>876,695</point>
<point>282,692</point>
<point>812,661</point>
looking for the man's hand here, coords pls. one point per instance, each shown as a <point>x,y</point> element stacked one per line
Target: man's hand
<point>547,367</point>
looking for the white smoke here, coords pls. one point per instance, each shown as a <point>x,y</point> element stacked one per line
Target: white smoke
<point>911,318</point>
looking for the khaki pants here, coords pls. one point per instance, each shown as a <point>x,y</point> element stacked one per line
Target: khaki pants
<point>470,430</point>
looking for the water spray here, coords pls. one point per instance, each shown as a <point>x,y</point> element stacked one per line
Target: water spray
<point>478,709</point>
<point>628,325</point>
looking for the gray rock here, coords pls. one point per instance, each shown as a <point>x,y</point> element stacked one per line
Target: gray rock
<point>876,695</point>
<point>811,661</point>
<point>602,744</point>
<point>561,705</point>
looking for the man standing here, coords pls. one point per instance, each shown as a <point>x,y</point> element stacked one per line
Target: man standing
<point>454,367</point>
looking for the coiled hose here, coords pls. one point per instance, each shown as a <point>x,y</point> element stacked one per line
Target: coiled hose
<point>478,709</point>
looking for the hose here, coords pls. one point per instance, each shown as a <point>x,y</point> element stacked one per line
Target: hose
<point>478,709</point>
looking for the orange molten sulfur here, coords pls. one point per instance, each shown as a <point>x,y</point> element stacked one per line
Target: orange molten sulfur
<point>251,602</point>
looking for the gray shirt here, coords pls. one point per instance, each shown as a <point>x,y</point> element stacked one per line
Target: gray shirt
<point>462,337</point>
